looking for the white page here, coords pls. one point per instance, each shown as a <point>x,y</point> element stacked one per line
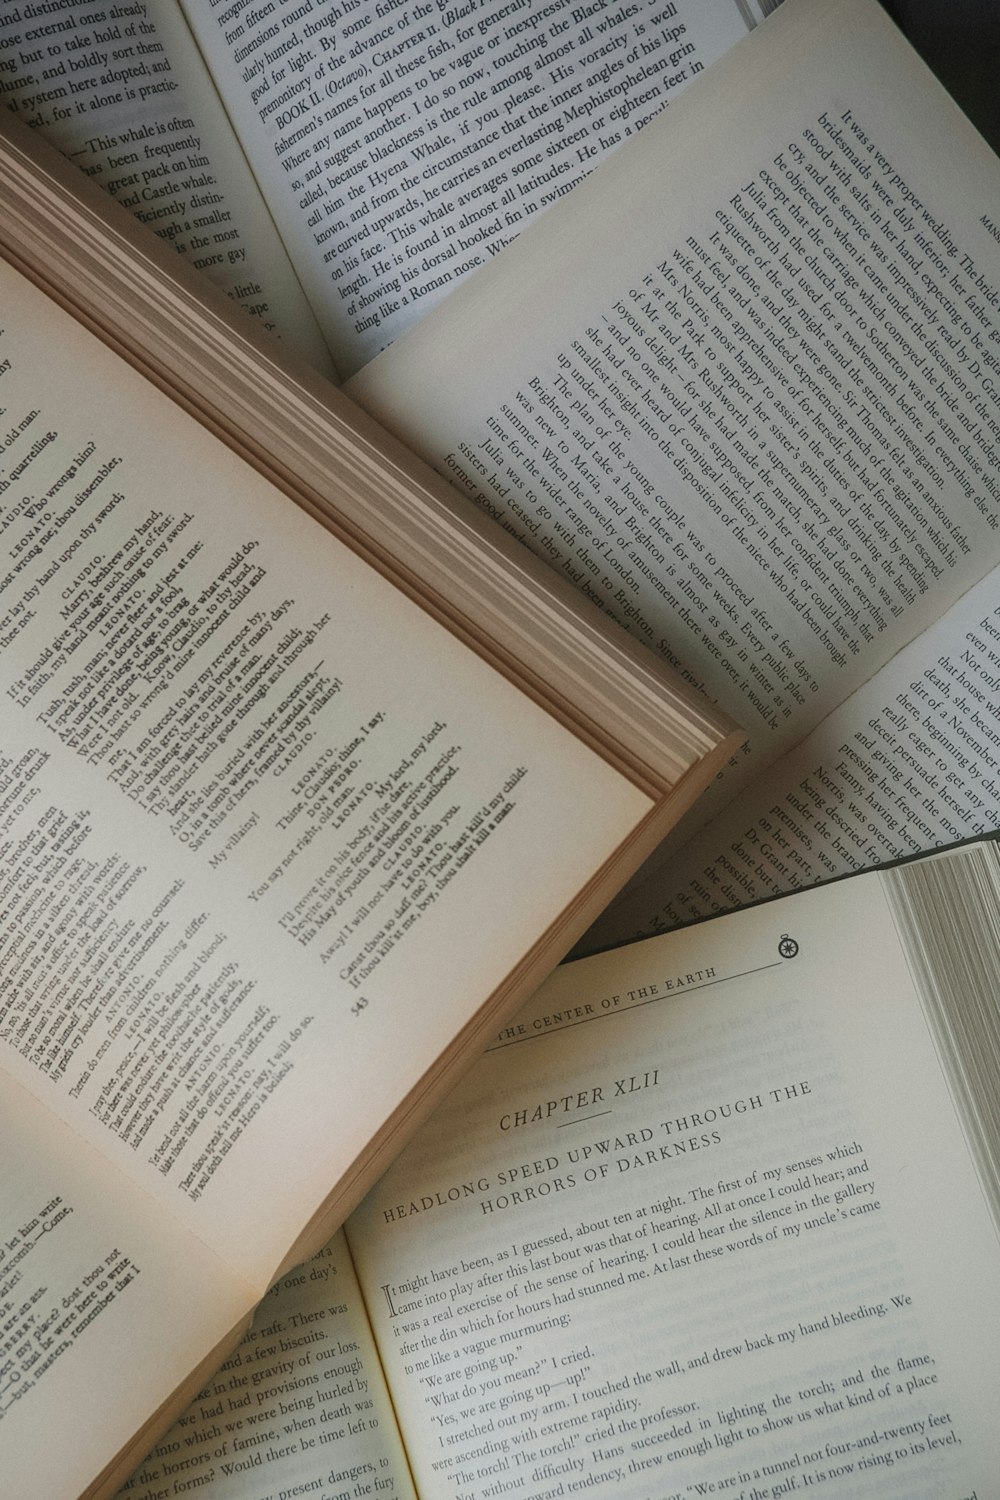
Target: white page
<point>690,407</point>
<point>703,1218</point>
<point>123,92</point>
<point>910,762</point>
<point>254,793</point>
<point>400,147</point>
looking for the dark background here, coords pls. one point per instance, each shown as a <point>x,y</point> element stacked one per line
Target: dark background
<point>960,40</point>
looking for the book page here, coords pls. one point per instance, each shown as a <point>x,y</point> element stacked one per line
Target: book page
<point>400,147</point>
<point>702,1220</point>
<point>122,91</point>
<point>752,406</point>
<point>300,1408</point>
<point>910,762</point>
<point>252,801</point>
<point>92,1277</point>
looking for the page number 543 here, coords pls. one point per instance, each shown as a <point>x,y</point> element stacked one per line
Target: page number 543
<point>358,1005</point>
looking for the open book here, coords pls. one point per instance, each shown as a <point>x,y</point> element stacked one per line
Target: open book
<point>284,732</point>
<point>743,387</point>
<point>716,1214</point>
<point>337,168</point>
<point>740,385</point>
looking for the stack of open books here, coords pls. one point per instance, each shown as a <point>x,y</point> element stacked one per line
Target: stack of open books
<point>311,771</point>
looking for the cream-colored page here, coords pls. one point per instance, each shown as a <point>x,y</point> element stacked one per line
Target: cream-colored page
<point>106,1305</point>
<point>122,90</point>
<point>257,808</point>
<point>911,761</point>
<point>752,406</point>
<point>402,146</point>
<point>300,1408</point>
<point>702,1221</point>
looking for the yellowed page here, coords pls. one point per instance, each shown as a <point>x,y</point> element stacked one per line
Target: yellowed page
<point>301,1403</point>
<point>106,1304</point>
<point>741,385</point>
<point>258,807</point>
<point>703,1219</point>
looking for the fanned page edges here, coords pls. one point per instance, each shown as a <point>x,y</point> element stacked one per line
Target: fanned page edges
<point>342,467</point>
